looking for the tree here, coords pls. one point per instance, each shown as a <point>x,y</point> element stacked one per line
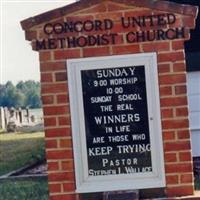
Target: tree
<point>24,94</point>
<point>33,99</point>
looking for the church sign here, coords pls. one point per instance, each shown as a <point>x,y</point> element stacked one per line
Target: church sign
<point>119,134</point>
<point>106,115</point>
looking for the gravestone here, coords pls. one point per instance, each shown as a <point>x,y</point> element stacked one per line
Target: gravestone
<point>2,119</point>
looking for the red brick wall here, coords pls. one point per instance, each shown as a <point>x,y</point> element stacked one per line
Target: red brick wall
<point>173,99</point>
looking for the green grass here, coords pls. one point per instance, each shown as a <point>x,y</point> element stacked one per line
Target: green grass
<point>20,149</point>
<point>29,189</point>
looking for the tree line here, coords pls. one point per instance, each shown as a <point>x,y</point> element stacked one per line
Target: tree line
<point>24,94</point>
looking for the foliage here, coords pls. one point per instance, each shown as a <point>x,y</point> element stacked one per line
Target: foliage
<point>24,94</point>
<point>197,183</point>
<point>30,189</point>
<point>20,149</point>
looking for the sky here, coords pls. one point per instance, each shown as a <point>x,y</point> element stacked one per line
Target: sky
<point>18,60</point>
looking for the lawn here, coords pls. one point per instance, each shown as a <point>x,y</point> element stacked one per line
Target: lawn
<point>20,149</point>
<point>29,189</point>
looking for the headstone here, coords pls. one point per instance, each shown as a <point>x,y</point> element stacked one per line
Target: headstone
<point>12,122</point>
<point>33,118</point>
<point>27,114</point>
<point>2,119</point>
<point>6,115</point>
<point>20,115</point>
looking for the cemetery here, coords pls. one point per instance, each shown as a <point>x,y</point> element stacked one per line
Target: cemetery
<point>21,120</point>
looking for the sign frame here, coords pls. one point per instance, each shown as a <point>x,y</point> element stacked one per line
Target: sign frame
<point>86,183</point>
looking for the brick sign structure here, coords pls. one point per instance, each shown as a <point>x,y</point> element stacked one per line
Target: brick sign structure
<point>113,81</point>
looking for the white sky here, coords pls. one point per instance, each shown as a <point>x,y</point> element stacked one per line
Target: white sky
<point>18,60</point>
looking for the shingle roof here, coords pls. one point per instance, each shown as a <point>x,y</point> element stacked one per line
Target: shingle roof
<point>82,4</point>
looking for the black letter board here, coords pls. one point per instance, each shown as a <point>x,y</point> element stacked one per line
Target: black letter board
<point>116,120</point>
